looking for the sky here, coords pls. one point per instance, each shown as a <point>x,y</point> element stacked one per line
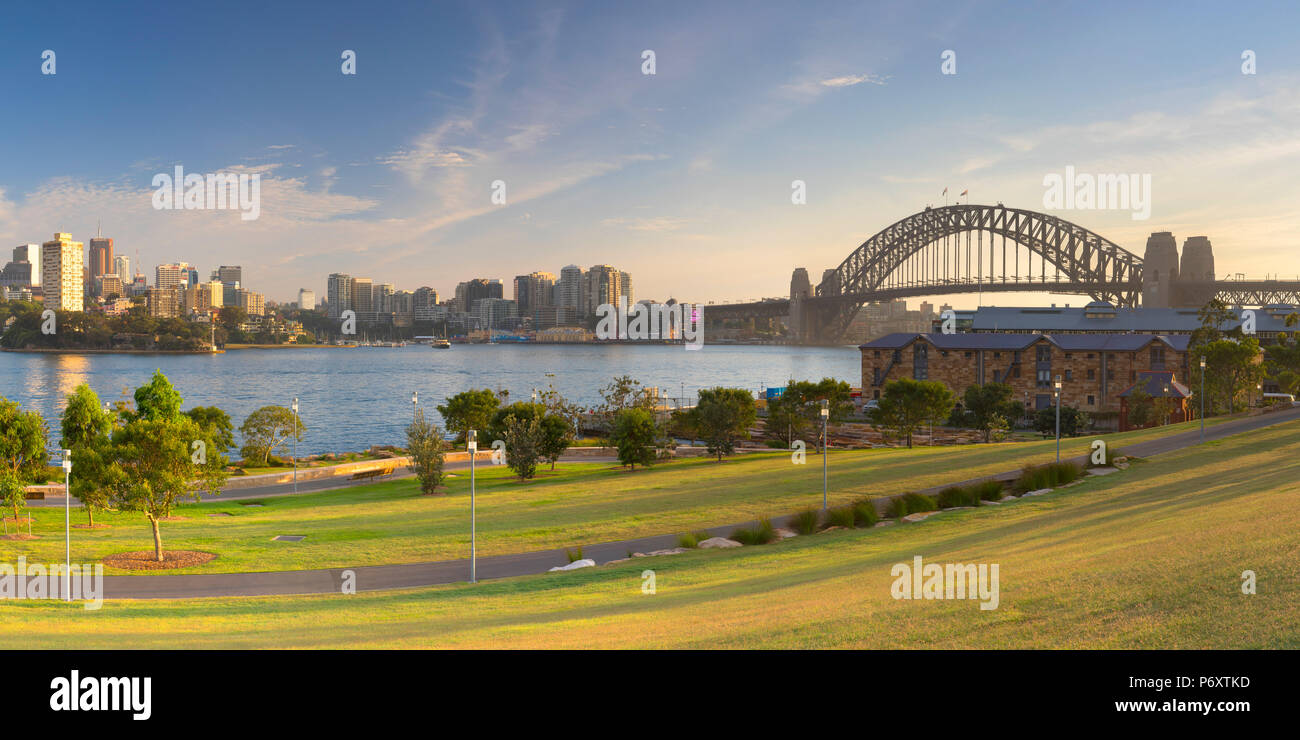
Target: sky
<point>682,178</point>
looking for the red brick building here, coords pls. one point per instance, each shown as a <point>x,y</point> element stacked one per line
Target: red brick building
<point>1094,368</point>
<point>1169,395</point>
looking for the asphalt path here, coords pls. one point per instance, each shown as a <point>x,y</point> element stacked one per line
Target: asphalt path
<point>411,575</point>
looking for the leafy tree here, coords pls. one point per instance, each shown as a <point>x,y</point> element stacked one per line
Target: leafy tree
<point>22,452</point>
<point>1073,421</point>
<point>1282,360</point>
<point>523,438</point>
<point>155,468</point>
<point>681,423</point>
<point>723,415</point>
<point>906,405</point>
<point>557,435</point>
<point>496,428</point>
<point>557,405</point>
<point>624,392</point>
<point>86,428</point>
<point>1232,371</point>
<point>158,400</point>
<point>427,448</point>
<point>983,404</point>
<point>1141,410</point>
<point>634,435</point>
<point>469,410</point>
<point>216,424</point>
<point>267,429</point>
<point>798,408</point>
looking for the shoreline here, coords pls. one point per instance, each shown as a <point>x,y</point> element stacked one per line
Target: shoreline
<point>68,351</point>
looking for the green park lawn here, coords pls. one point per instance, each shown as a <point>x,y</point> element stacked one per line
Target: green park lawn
<point>582,503</point>
<point>1150,557</point>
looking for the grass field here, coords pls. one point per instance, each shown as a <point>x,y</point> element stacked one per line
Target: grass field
<point>1150,557</point>
<point>584,503</point>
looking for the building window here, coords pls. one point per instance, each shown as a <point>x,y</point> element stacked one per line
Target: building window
<point>997,355</point>
<point>898,356</point>
<point>968,355</point>
<point>1089,355</point>
<point>996,377</point>
<point>1043,353</point>
<point>1044,378</point>
<point>920,361</point>
<point>877,353</point>
<point>1069,375</point>
<point>1132,376</point>
<point>1092,400</point>
<point>944,353</point>
<point>1015,371</point>
<point>875,376</point>
<point>1091,374</point>
<point>1157,358</point>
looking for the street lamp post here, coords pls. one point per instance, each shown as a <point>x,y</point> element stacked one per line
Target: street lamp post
<point>826,413</point>
<point>472,438</point>
<point>67,524</point>
<point>1202,399</point>
<point>1057,384</point>
<point>295,445</point>
<point>415,403</point>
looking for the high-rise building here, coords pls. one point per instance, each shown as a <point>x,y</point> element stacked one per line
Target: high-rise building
<point>229,274</point>
<point>470,292</point>
<point>165,303</point>
<point>101,257</point>
<point>175,275</point>
<point>62,273</point>
<point>602,287</point>
<point>338,293</point>
<point>30,253</point>
<point>122,266</point>
<point>534,290</point>
<point>306,299</point>
<point>108,285</point>
<point>569,290</point>
<point>254,304</point>
<point>625,288</point>
<point>363,298</point>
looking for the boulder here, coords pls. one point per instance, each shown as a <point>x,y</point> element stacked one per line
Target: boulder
<point>886,523</point>
<point>1102,471</point>
<point>785,534</point>
<point>1039,492</point>
<point>719,542</point>
<point>1007,497</point>
<point>583,563</point>
<point>918,516</point>
<point>671,551</point>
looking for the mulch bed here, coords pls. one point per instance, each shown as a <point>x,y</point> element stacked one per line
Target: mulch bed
<point>172,518</point>
<point>20,520</point>
<point>145,559</point>
<point>23,536</point>
<point>87,526</point>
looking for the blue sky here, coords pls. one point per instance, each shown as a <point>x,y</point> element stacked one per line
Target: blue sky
<point>681,178</point>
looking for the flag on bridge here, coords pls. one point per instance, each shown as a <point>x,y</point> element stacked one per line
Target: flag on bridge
<point>964,192</point>
<point>945,191</point>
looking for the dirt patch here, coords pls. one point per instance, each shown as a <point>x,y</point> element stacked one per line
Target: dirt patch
<point>145,559</point>
<point>221,513</point>
<point>23,536</point>
<point>172,518</point>
<point>20,520</point>
<point>88,526</point>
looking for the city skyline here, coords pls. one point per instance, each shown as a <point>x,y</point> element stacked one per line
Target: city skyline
<point>679,176</point>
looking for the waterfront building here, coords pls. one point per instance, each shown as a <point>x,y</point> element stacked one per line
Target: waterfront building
<point>338,293</point>
<point>164,303</point>
<point>602,285</point>
<point>306,299</point>
<point>62,273</point>
<point>253,303</point>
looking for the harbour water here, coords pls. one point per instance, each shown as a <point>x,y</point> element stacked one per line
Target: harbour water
<point>353,398</point>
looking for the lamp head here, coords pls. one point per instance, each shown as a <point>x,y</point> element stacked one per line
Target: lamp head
<point>826,408</point>
<point>471,439</point>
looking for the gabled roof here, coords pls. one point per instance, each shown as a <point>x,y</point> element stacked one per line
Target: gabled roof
<point>1154,382</point>
<point>1019,341</point>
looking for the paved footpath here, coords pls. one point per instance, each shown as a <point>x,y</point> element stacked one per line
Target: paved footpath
<point>411,575</point>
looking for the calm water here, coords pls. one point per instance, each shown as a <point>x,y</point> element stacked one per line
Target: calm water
<point>350,399</point>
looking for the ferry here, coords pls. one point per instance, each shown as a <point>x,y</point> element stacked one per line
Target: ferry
<point>440,344</point>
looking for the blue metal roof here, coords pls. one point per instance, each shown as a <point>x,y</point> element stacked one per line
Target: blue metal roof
<point>1108,319</point>
<point>1019,341</point>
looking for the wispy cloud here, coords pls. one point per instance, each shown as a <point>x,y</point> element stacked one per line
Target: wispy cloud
<point>851,80</point>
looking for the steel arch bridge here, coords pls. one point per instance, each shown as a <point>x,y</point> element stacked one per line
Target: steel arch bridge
<point>943,250</point>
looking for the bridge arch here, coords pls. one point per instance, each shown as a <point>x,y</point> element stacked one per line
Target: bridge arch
<point>1083,261</point>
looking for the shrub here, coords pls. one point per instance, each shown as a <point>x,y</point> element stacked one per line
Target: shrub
<point>1050,475</point>
<point>920,502</point>
<point>840,516</point>
<point>574,554</point>
<point>692,539</point>
<point>897,508</point>
<point>957,496</point>
<point>990,490</point>
<point>864,513</point>
<point>805,522</point>
<point>760,535</point>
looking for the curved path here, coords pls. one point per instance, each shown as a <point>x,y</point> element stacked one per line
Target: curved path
<point>410,575</point>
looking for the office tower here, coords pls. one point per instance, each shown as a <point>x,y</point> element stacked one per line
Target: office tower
<point>381,297</point>
<point>363,297</point>
<point>122,267</point>
<point>229,274</point>
<point>101,257</point>
<point>424,303</point>
<point>108,285</point>
<point>569,290</point>
<point>175,275</point>
<point>164,303</point>
<point>338,293</point>
<point>254,304</point>
<point>62,273</point>
<point>306,299</point>
<point>625,288</point>
<point>470,292</point>
<point>602,287</point>
<point>30,253</point>
<point>534,290</point>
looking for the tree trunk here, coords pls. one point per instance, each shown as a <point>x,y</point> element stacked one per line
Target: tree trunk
<point>90,512</point>
<point>157,539</point>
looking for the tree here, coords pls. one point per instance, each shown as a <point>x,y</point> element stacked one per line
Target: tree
<point>907,405</point>
<point>267,429</point>
<point>557,435</point>
<point>216,424</point>
<point>22,452</point>
<point>985,403</point>
<point>426,447</point>
<point>1282,359</point>
<point>86,428</point>
<point>1073,421</point>
<point>723,415</point>
<point>1141,411</point>
<point>1232,371</point>
<point>634,435</point>
<point>523,438</point>
<point>798,408</point>
<point>161,456</point>
<point>496,428</point>
<point>624,392</point>
<point>469,410</point>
